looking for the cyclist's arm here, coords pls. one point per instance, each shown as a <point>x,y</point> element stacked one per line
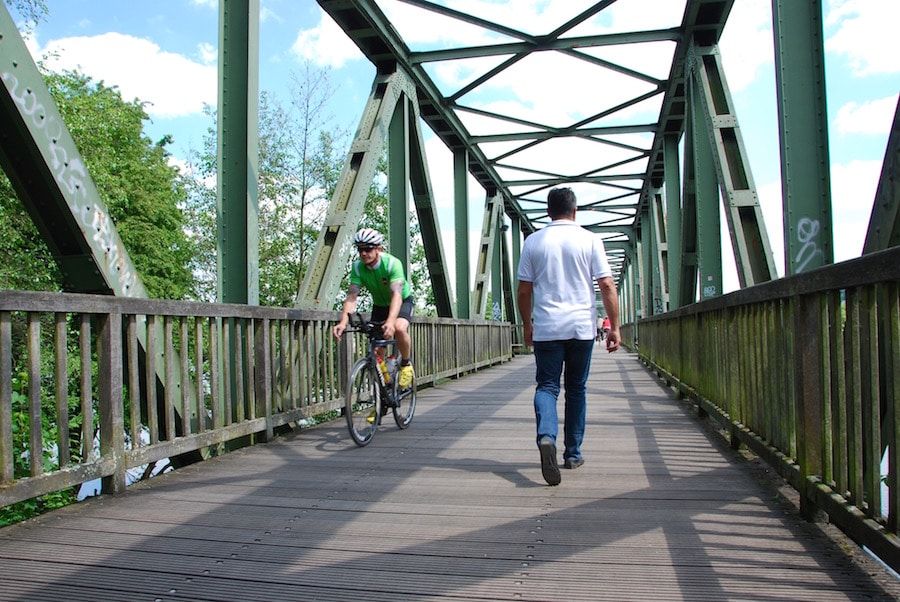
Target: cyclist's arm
<point>349,308</point>
<point>393,309</point>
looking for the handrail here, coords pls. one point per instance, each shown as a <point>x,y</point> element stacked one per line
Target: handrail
<point>804,371</point>
<point>234,374</point>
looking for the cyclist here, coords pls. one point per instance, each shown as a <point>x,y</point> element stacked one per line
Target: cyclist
<point>382,275</point>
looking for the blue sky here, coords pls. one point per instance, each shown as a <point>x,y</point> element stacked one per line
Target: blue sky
<point>165,52</point>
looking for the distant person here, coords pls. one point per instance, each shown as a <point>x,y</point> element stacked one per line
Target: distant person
<point>382,275</point>
<point>556,273</point>
<point>605,327</point>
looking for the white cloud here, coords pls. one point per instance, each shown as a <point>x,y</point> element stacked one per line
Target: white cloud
<point>868,118</point>
<point>173,84</point>
<point>326,45</point>
<point>853,188</point>
<point>746,44</point>
<point>866,34</point>
<point>208,53</point>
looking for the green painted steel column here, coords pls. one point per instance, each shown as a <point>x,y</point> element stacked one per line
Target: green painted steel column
<point>516,235</point>
<point>238,152</point>
<point>805,174</point>
<point>461,218</point>
<point>646,238</point>
<point>884,223</point>
<point>658,253</point>
<point>497,272</point>
<point>706,189</point>
<point>673,217</point>
<point>398,176</point>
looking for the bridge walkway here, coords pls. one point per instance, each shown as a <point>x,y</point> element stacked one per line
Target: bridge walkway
<point>455,508</point>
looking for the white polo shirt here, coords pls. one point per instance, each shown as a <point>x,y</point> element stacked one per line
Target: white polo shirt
<point>562,261</point>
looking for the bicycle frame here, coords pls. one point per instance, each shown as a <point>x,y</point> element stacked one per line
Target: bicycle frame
<point>368,394</point>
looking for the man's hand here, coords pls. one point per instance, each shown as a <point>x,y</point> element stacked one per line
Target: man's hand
<point>388,329</point>
<point>613,338</point>
<point>338,330</point>
<point>529,334</point>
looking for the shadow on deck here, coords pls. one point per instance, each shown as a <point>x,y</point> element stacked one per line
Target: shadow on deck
<point>454,508</point>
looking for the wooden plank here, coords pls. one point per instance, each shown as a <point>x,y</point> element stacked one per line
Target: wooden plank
<point>454,508</point>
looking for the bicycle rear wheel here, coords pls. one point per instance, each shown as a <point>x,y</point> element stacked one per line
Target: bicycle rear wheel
<point>361,401</point>
<point>406,404</point>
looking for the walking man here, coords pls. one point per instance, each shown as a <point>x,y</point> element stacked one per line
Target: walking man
<point>557,271</point>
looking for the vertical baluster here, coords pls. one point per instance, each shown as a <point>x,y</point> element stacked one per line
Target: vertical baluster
<point>87,396</point>
<point>61,382</point>
<point>6,440</point>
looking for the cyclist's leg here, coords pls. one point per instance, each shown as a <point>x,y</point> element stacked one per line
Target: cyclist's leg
<point>404,342</point>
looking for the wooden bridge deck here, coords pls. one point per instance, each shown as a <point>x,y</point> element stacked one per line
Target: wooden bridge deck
<point>453,509</point>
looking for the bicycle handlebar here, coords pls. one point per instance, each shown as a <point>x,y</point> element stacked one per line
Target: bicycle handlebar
<point>372,329</point>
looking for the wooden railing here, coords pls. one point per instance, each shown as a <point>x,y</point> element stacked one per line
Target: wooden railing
<point>219,376</point>
<point>805,371</point>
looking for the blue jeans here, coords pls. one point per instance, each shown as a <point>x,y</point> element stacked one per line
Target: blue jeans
<point>551,357</point>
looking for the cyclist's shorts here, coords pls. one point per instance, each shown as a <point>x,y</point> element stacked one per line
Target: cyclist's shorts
<point>380,312</point>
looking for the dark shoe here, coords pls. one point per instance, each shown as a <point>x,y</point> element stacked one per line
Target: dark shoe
<point>549,467</point>
<point>573,463</point>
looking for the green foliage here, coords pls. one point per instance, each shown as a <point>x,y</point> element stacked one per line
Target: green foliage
<point>141,190</point>
<point>132,175</point>
<point>49,455</point>
<point>32,11</point>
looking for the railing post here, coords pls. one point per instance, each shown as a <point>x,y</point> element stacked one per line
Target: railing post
<point>808,396</point>
<point>345,361</point>
<point>109,374</point>
<point>262,376</point>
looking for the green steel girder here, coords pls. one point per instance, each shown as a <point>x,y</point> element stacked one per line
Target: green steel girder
<point>673,219</point>
<point>46,170</point>
<point>706,195</point>
<point>325,272</point>
<point>803,129</point>
<point>702,24</point>
<point>516,231</point>
<point>498,275</point>
<point>426,210</point>
<point>752,252</point>
<point>658,255</point>
<point>509,279</point>
<point>398,176</point>
<point>489,229</point>
<point>686,293</point>
<point>238,153</point>
<point>461,233</point>
<point>392,106</point>
<point>884,224</point>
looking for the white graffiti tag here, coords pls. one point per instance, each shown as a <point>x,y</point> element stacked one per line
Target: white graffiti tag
<point>807,231</point>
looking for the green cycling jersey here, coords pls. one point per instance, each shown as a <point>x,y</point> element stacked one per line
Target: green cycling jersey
<point>378,280</point>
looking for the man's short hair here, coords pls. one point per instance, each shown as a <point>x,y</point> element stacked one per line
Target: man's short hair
<point>561,202</point>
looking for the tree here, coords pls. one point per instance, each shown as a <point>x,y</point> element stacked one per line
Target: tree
<point>298,169</point>
<point>134,180</point>
<point>141,190</point>
<point>32,11</point>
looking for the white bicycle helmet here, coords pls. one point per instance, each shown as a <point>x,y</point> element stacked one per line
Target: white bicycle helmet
<point>368,236</point>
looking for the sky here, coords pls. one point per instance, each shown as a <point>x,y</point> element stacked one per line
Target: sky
<point>164,53</point>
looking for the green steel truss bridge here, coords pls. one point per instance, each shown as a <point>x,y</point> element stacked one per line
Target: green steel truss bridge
<point>799,369</point>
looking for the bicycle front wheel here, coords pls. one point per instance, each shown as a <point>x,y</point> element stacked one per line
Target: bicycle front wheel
<point>361,401</point>
<point>406,404</point>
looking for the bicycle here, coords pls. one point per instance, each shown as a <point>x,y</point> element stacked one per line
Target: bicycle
<point>372,388</point>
